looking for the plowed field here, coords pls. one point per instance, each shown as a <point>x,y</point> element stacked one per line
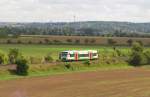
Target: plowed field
<point>114,83</point>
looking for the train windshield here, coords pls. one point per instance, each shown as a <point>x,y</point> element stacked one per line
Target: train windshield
<point>64,54</point>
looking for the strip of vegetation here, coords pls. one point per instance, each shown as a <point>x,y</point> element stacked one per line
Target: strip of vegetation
<point>41,70</point>
<point>107,61</point>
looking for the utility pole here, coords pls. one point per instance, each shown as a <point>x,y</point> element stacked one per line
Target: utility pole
<point>74,17</point>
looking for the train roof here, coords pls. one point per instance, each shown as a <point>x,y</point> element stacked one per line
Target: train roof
<point>80,51</point>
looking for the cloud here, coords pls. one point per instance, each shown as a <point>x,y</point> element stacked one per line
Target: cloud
<point>84,10</point>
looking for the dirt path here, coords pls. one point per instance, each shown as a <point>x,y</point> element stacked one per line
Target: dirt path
<point>119,83</point>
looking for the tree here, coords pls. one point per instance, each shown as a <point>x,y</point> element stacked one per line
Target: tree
<point>137,47</point>
<point>137,57</point>
<point>111,42</point>
<point>77,41</point>
<point>29,42</point>
<point>48,58</point>
<point>87,62</point>
<point>140,42</point>
<point>13,55</point>
<point>19,41</point>
<point>69,40</point>
<point>56,41</point>
<point>130,41</point>
<point>2,57</point>
<point>46,40</point>
<point>9,41</point>
<point>88,31</point>
<point>40,42</point>
<point>22,67</point>
<point>93,41</point>
<point>86,41</point>
<point>147,55</point>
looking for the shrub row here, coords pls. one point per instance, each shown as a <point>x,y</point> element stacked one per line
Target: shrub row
<point>15,57</point>
<point>109,41</point>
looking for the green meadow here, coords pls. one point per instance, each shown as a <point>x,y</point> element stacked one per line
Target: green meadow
<point>42,50</point>
<point>107,60</point>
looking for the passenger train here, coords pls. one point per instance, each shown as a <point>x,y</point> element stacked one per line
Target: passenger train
<point>78,55</point>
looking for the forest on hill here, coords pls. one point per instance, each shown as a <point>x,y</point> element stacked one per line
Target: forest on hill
<point>89,28</point>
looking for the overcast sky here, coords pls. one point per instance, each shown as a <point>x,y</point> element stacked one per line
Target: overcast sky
<point>65,10</point>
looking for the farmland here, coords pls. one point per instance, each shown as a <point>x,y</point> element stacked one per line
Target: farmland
<point>108,59</point>
<point>42,50</point>
<point>39,51</point>
<point>78,40</point>
<point>75,48</point>
<point>109,76</point>
<point>112,83</point>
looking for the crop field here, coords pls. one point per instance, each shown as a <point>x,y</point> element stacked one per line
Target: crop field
<point>109,76</point>
<point>42,50</point>
<point>45,39</point>
<point>112,83</point>
<point>37,67</point>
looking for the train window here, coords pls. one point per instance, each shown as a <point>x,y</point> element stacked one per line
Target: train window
<point>94,54</point>
<point>64,54</point>
<point>84,55</point>
<point>72,55</point>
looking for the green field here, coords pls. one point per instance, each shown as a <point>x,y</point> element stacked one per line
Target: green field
<point>42,50</point>
<point>106,61</point>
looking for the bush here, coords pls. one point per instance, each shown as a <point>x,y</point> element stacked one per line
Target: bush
<point>86,41</point>
<point>111,42</point>
<point>140,42</point>
<point>46,40</point>
<point>87,62</point>
<point>147,55</point>
<point>137,47</point>
<point>56,41</point>
<point>36,60</point>
<point>58,60</point>
<point>137,57</point>
<point>3,58</point>
<point>19,41</point>
<point>77,41</point>
<point>13,55</point>
<point>69,40</point>
<point>130,41</point>
<point>22,67</point>
<point>9,41</point>
<point>118,52</point>
<point>68,66</point>
<point>29,42</point>
<point>48,58</point>
<point>40,42</point>
<point>93,41</point>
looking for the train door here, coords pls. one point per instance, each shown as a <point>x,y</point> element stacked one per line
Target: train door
<point>76,56</point>
<point>90,55</point>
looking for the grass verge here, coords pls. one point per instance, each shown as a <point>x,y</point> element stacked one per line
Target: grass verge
<point>41,70</point>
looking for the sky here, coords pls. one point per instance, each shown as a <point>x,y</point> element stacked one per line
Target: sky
<point>74,10</point>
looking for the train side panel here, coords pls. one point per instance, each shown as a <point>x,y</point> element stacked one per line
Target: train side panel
<point>78,55</point>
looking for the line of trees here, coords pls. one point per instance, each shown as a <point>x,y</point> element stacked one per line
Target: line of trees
<point>110,41</point>
<point>67,31</point>
<point>48,41</point>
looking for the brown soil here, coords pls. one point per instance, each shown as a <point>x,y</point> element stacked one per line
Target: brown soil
<point>40,39</point>
<point>115,83</point>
